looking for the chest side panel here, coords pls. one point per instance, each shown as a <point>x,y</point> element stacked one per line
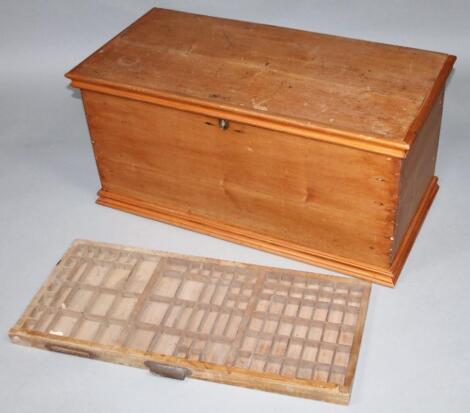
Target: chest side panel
<point>321,196</point>
<point>417,172</point>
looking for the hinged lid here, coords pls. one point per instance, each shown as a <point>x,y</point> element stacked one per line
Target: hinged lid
<point>352,92</point>
<point>272,329</point>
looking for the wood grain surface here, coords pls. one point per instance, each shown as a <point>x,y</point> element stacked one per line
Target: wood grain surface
<point>317,147</point>
<point>322,196</point>
<point>366,90</point>
<point>417,171</point>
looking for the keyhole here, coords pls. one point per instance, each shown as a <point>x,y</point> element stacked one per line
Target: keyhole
<point>224,124</point>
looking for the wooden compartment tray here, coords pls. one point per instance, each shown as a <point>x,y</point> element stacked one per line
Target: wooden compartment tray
<point>272,329</point>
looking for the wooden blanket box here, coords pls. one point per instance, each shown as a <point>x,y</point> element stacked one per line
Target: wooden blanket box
<point>312,146</point>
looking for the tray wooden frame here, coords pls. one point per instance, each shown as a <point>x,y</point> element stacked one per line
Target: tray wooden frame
<point>260,280</point>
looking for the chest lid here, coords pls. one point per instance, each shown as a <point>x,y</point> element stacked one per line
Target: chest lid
<point>353,92</point>
<point>272,329</point>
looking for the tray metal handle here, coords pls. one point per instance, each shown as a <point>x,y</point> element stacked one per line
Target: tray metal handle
<point>167,370</point>
<point>69,350</point>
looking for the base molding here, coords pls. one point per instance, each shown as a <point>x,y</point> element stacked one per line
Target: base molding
<point>384,276</point>
<point>414,227</point>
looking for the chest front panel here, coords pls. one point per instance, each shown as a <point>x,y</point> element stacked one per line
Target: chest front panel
<point>312,194</point>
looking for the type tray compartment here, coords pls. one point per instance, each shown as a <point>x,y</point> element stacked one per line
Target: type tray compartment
<point>272,329</point>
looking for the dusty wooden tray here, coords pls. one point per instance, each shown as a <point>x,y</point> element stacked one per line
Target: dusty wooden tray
<point>271,329</point>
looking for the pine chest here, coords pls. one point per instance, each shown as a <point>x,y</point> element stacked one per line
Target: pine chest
<point>316,147</point>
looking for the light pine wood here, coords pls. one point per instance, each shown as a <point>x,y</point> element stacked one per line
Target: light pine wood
<point>417,171</point>
<point>413,230</point>
<point>366,89</point>
<point>272,183</point>
<point>292,127</point>
<point>328,150</point>
<point>387,277</point>
<point>276,330</point>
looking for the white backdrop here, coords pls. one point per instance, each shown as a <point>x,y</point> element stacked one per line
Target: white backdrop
<point>415,354</point>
